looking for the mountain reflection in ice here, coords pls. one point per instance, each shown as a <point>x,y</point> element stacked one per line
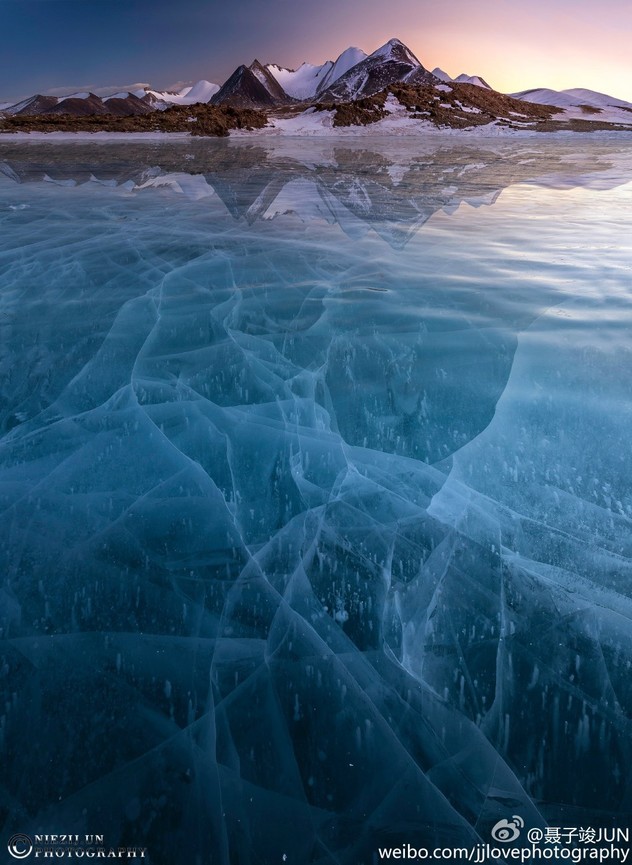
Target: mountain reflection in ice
<point>315,494</point>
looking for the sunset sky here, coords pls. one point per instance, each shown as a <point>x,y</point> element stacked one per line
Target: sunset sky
<point>62,45</point>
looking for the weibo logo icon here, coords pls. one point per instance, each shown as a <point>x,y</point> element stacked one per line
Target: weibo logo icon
<point>507,830</point>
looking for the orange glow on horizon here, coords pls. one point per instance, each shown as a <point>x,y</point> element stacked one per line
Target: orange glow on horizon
<point>512,48</point>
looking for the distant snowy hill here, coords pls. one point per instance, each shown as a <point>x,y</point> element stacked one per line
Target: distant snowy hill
<point>461,79</point>
<point>593,97</point>
<point>201,91</point>
<point>545,96</point>
<point>82,105</point>
<point>472,79</point>
<point>569,98</point>
<point>140,101</point>
<point>440,74</point>
<point>37,104</point>
<point>581,103</point>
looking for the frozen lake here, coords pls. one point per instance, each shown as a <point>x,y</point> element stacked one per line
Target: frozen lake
<point>315,493</point>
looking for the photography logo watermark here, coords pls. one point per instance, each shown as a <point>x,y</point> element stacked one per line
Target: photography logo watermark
<point>22,846</point>
<point>507,830</point>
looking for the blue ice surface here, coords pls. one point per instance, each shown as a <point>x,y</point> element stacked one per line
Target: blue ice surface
<point>315,500</point>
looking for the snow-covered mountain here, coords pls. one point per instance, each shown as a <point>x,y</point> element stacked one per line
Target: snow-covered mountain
<point>301,83</point>
<point>353,75</point>
<point>390,63</point>
<point>139,101</point>
<point>581,103</point>
<point>472,79</point>
<point>346,61</point>
<point>570,98</point>
<point>440,74</point>
<point>309,80</point>
<point>594,97</point>
<point>461,79</point>
<point>201,91</point>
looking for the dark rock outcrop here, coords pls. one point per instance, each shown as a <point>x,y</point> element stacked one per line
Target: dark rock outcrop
<point>80,106</point>
<point>127,106</point>
<point>265,77</point>
<point>37,104</point>
<point>244,90</point>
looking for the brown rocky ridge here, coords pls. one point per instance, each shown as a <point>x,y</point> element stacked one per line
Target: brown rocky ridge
<point>199,119</point>
<point>460,106</point>
<point>454,105</point>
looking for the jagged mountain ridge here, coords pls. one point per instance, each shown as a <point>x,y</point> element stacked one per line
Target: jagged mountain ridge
<point>392,62</point>
<point>308,80</point>
<point>461,79</point>
<point>124,103</point>
<point>352,76</point>
<point>37,104</point>
<point>265,77</point>
<point>82,105</point>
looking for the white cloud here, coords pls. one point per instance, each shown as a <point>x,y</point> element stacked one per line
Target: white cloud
<point>175,88</point>
<point>98,91</point>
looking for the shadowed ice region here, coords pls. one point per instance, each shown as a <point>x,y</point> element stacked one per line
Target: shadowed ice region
<point>314,494</point>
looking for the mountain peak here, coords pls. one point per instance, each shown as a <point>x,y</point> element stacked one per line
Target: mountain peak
<point>265,77</point>
<point>349,58</point>
<point>395,49</point>
<point>388,64</point>
<point>472,79</point>
<point>251,87</point>
<point>243,90</point>
<point>351,50</point>
<point>440,74</point>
